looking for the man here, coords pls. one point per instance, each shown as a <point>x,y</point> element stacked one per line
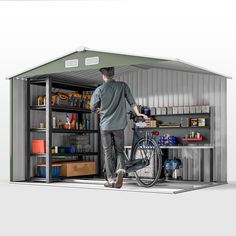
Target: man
<point>109,100</point>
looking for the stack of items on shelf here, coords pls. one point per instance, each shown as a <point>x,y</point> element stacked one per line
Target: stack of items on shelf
<point>70,123</point>
<point>63,150</point>
<point>152,123</point>
<point>81,142</point>
<point>68,99</point>
<point>41,170</point>
<point>168,140</point>
<point>193,136</point>
<point>193,122</point>
<point>178,110</point>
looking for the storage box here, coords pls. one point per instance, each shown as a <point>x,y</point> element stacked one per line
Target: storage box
<point>153,111</point>
<point>163,111</point>
<point>180,110</point>
<point>38,146</point>
<point>66,149</point>
<point>158,110</point>
<point>192,109</point>
<point>198,109</point>
<point>185,122</point>
<point>175,110</point>
<point>70,169</point>
<point>186,110</point>
<point>169,110</point>
<point>41,170</point>
<point>201,122</point>
<point>194,122</point>
<point>205,109</point>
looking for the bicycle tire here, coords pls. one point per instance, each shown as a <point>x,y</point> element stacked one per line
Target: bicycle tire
<point>157,159</point>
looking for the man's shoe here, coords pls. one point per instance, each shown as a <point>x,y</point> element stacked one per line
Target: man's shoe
<point>109,184</point>
<point>119,179</point>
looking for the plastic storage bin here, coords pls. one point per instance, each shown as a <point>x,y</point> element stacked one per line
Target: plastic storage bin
<point>66,149</point>
<point>41,170</point>
<point>38,146</point>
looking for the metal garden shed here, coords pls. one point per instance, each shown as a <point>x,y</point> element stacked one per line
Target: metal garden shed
<point>154,82</point>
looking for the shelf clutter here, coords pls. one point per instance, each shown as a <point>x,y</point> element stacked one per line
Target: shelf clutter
<point>70,155</point>
<point>179,121</point>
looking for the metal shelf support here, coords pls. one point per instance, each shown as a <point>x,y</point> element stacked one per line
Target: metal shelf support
<point>48,130</point>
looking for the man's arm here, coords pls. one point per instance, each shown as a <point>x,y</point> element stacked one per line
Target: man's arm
<point>132,103</point>
<point>95,100</point>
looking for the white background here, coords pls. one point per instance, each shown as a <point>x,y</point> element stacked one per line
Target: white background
<point>200,32</point>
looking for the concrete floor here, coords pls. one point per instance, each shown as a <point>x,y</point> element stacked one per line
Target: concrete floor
<point>45,210</point>
<point>130,185</point>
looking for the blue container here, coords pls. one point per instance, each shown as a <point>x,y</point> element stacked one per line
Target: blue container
<point>66,149</point>
<point>70,149</point>
<point>41,170</point>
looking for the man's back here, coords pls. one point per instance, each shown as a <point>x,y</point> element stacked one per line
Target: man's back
<point>112,96</point>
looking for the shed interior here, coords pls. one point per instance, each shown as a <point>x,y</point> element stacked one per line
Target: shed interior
<point>154,82</point>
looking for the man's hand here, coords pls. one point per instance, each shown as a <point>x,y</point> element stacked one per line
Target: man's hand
<point>144,116</point>
<point>98,111</point>
<point>135,108</point>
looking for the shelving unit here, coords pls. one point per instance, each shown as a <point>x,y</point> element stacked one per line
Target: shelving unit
<point>50,83</point>
<point>206,131</point>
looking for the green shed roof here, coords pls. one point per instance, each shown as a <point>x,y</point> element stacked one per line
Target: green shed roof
<point>89,61</point>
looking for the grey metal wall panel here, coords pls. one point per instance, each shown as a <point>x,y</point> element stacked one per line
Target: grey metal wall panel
<point>163,87</point>
<point>153,87</point>
<point>18,130</point>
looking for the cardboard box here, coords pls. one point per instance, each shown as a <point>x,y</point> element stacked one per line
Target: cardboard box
<point>70,169</point>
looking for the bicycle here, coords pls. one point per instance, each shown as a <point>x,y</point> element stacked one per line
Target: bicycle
<point>146,156</point>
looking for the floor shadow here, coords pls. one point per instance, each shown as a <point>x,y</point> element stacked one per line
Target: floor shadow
<point>231,186</point>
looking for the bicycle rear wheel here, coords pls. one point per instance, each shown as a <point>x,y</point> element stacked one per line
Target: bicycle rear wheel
<point>147,151</point>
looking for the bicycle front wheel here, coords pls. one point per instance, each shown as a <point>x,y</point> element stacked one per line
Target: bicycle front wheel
<point>147,151</point>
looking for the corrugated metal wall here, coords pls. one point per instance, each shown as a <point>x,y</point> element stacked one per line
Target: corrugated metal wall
<point>162,87</point>
<point>153,87</point>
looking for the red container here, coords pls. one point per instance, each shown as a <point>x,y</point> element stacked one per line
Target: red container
<point>38,146</point>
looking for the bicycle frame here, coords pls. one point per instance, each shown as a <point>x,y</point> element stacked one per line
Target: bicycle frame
<point>137,165</point>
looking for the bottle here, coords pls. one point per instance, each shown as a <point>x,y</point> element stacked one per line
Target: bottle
<point>87,124</point>
<point>84,123</point>
<point>80,126</point>
<point>54,122</point>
